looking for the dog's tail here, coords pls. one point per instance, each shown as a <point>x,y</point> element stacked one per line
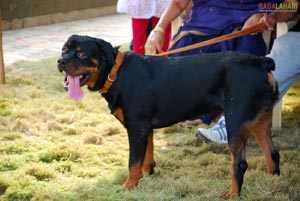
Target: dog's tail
<point>268,64</point>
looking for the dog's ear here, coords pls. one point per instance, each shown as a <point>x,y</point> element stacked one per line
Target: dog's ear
<point>74,37</point>
<point>107,49</point>
<point>73,40</point>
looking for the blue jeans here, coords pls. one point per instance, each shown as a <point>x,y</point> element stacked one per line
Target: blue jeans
<point>285,53</point>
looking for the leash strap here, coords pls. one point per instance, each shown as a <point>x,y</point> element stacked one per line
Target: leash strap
<point>251,30</point>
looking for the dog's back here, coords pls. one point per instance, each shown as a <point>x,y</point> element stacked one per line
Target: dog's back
<point>183,87</point>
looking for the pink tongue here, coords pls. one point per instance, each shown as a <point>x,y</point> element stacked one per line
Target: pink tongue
<point>74,90</point>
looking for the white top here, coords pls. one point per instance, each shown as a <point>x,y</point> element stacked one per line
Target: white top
<point>142,9</point>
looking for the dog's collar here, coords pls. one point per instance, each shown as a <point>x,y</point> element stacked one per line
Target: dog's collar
<point>112,76</point>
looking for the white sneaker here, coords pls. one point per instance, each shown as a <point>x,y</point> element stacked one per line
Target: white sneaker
<point>217,134</point>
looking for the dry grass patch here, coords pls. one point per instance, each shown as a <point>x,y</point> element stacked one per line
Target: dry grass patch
<point>62,152</point>
<point>40,172</point>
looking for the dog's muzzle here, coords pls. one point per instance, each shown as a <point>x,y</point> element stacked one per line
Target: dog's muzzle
<point>61,65</point>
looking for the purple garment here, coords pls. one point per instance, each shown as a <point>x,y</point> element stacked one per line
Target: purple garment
<point>214,16</point>
<point>219,17</point>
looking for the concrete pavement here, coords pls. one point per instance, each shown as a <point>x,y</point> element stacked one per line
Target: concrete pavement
<point>46,41</point>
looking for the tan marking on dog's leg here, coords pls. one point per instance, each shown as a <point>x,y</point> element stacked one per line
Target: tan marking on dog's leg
<point>135,173</point>
<point>234,190</point>
<point>149,163</point>
<point>262,133</point>
<point>238,164</point>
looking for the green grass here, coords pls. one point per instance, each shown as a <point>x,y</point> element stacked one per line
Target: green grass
<point>52,148</point>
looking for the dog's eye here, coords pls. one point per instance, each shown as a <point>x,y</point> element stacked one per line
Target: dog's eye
<point>81,55</point>
<point>64,50</point>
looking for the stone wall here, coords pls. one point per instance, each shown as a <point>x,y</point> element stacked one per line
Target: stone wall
<point>27,13</point>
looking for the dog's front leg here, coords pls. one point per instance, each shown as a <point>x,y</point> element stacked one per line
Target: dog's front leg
<point>138,137</point>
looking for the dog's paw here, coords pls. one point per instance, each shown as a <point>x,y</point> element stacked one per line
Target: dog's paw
<point>226,196</point>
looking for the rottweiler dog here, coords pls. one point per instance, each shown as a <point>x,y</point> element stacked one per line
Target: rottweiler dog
<point>149,92</point>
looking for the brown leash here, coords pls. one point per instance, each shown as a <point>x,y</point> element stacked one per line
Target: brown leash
<point>251,30</point>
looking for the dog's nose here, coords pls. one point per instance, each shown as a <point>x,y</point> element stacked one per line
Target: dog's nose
<point>61,64</point>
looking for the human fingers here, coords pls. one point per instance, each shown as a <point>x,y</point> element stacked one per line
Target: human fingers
<point>156,40</point>
<point>253,20</point>
<point>269,21</point>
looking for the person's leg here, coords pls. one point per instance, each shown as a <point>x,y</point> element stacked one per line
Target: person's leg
<point>287,69</point>
<point>284,53</point>
<point>139,31</point>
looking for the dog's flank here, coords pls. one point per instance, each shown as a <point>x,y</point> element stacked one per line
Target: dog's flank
<point>151,92</point>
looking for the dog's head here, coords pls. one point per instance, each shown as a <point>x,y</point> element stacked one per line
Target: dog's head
<point>86,61</point>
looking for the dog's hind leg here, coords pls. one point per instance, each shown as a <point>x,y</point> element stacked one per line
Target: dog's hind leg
<point>237,138</point>
<point>262,133</point>
<point>149,163</point>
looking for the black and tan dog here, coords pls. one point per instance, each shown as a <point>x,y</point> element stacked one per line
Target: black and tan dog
<point>148,92</point>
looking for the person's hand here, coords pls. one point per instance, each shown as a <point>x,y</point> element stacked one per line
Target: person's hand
<point>253,20</point>
<point>269,21</point>
<point>156,40</point>
<point>257,18</point>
